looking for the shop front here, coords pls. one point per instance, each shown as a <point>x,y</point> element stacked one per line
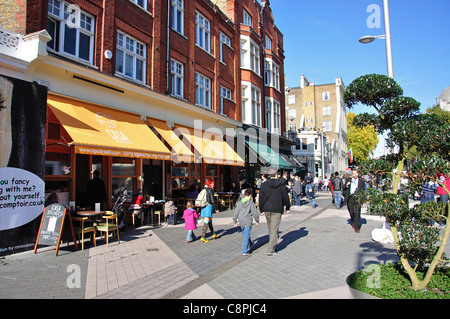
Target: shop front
<point>83,137</point>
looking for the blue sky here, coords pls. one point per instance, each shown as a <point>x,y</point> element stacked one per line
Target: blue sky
<point>321,42</point>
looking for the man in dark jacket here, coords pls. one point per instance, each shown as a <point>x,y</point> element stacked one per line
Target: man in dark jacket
<point>353,206</point>
<point>273,198</point>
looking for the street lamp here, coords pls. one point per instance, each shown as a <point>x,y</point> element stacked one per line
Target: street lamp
<point>387,36</point>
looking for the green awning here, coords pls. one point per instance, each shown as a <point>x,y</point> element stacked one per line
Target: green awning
<point>273,158</point>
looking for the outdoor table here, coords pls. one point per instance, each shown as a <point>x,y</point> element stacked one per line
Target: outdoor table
<point>152,207</point>
<point>90,213</point>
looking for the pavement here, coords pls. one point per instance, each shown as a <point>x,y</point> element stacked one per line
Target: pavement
<point>317,251</point>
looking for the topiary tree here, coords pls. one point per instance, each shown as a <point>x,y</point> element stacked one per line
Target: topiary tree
<point>419,244</point>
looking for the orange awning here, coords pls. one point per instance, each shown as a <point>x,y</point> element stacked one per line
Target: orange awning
<point>99,130</point>
<point>180,152</point>
<point>211,146</point>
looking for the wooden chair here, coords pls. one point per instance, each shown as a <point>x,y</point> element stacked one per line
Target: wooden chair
<point>80,229</point>
<point>108,226</point>
<point>159,212</point>
<point>135,212</point>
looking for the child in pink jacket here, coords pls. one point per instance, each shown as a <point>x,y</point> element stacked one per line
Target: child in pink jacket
<point>190,216</point>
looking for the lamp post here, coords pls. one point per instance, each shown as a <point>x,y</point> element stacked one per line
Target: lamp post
<point>387,36</point>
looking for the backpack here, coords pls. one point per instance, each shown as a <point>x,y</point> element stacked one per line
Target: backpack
<point>201,201</point>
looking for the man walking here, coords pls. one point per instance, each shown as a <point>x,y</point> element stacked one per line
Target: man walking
<point>297,190</point>
<point>353,206</point>
<point>337,186</point>
<point>273,198</point>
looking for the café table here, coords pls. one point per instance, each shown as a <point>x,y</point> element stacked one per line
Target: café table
<point>152,206</point>
<point>91,213</point>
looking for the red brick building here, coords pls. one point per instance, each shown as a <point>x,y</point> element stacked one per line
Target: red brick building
<point>174,62</point>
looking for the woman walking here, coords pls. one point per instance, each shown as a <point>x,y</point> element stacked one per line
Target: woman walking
<point>208,210</point>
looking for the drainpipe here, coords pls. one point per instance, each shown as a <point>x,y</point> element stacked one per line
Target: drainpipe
<point>168,47</point>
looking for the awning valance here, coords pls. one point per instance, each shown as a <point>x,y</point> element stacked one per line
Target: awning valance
<point>180,152</point>
<point>211,146</point>
<point>103,131</point>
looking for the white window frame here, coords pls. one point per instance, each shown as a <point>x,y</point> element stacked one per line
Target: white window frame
<point>268,43</point>
<point>224,39</point>
<point>225,93</point>
<point>202,32</point>
<point>138,3</point>
<point>246,18</point>
<point>177,20</point>
<point>250,54</point>
<point>326,110</point>
<point>291,99</point>
<point>327,126</point>
<point>202,90</point>
<point>177,73</point>
<point>272,115</point>
<point>271,74</point>
<point>77,20</point>
<point>128,48</point>
<point>251,104</point>
<point>326,96</point>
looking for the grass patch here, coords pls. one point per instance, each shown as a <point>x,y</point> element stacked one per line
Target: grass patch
<point>391,282</point>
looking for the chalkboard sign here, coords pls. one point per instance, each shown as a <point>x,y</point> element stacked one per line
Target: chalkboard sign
<point>50,233</point>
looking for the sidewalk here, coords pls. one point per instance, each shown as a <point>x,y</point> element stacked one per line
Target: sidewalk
<point>318,250</point>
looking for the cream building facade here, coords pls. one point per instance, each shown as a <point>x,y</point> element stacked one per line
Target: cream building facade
<point>317,120</point>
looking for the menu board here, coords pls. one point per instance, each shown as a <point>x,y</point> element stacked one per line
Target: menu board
<point>52,226</point>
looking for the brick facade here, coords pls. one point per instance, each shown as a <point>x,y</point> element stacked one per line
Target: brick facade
<point>149,25</point>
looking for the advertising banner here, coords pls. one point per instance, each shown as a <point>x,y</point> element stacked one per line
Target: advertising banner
<point>23,114</point>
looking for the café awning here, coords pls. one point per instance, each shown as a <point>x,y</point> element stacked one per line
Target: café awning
<point>210,146</point>
<point>180,152</point>
<point>273,158</point>
<point>97,130</point>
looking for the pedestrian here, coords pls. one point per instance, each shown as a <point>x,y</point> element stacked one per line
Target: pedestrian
<point>244,213</point>
<point>308,183</point>
<point>428,191</point>
<point>208,210</point>
<point>337,189</point>
<point>96,191</point>
<point>297,190</point>
<point>443,195</point>
<point>273,199</point>
<point>190,221</point>
<point>353,206</point>
<point>312,197</point>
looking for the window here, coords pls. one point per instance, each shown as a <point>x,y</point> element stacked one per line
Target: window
<point>268,43</point>
<point>141,3</point>
<point>254,57</point>
<point>327,127</point>
<point>271,74</point>
<point>268,115</point>
<point>72,31</point>
<point>202,90</point>
<point>247,18</point>
<point>326,110</point>
<point>223,40</point>
<point>250,55</point>
<point>325,96</point>
<point>178,16</point>
<point>251,104</point>
<point>224,94</point>
<point>177,72</point>
<point>272,115</point>
<point>291,99</point>
<point>202,32</point>
<point>130,57</point>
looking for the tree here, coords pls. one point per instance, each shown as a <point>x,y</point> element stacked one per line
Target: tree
<point>362,140</point>
<point>407,129</point>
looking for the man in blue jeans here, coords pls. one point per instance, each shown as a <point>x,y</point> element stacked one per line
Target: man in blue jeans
<point>337,182</point>
<point>308,181</point>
